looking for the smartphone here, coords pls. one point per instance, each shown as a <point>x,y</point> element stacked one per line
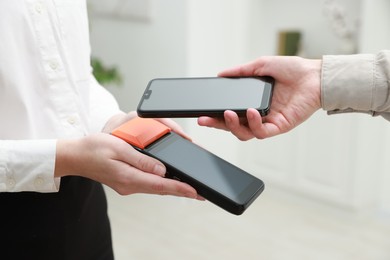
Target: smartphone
<point>217,180</point>
<point>194,97</point>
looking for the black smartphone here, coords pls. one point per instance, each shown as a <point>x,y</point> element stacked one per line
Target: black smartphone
<point>211,96</point>
<point>217,180</point>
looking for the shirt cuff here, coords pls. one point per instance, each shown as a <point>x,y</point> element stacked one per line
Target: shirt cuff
<point>28,165</point>
<point>347,83</point>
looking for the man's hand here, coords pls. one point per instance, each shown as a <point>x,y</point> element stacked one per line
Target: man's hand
<point>295,98</point>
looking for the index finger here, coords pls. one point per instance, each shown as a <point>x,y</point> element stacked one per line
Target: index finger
<point>141,161</point>
<point>174,126</point>
<point>153,184</point>
<point>245,70</point>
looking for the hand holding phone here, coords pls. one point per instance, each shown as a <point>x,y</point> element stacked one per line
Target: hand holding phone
<point>215,179</point>
<point>195,97</point>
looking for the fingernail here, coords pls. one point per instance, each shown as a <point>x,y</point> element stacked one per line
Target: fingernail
<point>250,116</point>
<point>190,195</point>
<point>228,120</point>
<point>159,170</point>
<point>198,197</point>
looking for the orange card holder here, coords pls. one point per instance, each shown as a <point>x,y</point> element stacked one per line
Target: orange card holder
<point>141,132</point>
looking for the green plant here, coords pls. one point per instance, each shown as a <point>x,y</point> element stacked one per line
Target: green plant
<point>105,75</point>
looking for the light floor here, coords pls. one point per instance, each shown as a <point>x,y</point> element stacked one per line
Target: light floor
<point>147,227</point>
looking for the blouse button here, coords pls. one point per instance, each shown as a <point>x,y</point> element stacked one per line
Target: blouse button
<point>72,120</point>
<point>53,65</point>
<point>38,8</point>
<point>38,182</point>
<point>11,183</point>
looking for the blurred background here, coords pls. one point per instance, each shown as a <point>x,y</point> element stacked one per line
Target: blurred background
<point>327,192</point>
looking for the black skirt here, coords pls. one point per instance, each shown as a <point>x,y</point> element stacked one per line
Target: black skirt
<point>71,224</point>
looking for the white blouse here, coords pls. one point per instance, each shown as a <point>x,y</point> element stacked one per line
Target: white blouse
<point>47,90</point>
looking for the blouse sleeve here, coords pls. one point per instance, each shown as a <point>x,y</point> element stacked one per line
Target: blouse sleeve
<point>102,106</point>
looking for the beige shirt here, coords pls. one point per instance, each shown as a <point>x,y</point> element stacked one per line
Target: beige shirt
<point>356,83</point>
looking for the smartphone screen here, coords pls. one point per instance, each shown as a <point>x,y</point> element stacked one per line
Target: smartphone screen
<point>204,167</point>
<point>187,97</point>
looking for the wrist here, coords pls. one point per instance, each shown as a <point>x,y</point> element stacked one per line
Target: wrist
<point>66,157</point>
<point>316,83</point>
